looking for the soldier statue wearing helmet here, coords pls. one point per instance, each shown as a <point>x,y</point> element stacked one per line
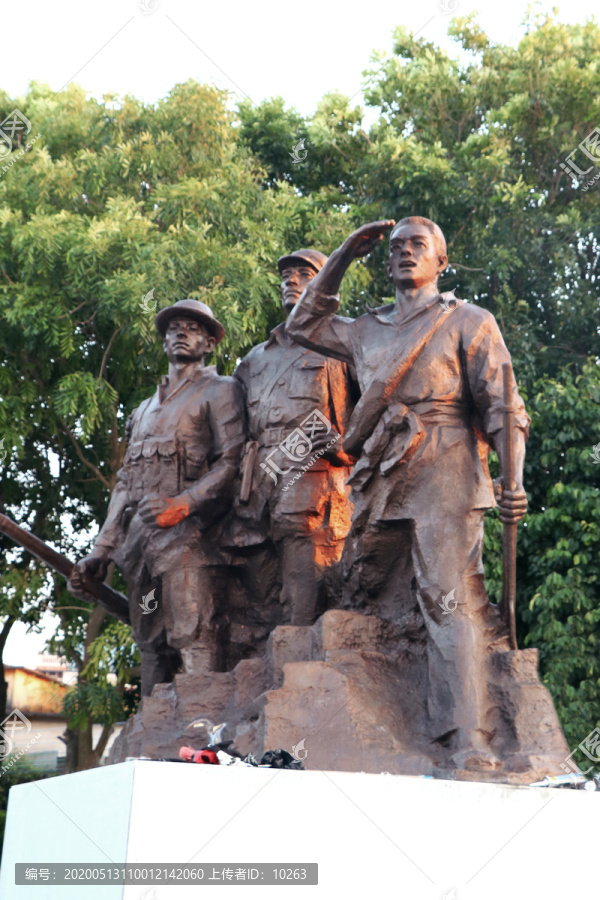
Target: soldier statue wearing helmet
<point>174,487</point>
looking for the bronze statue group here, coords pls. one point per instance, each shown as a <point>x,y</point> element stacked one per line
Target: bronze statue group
<point>343,465</point>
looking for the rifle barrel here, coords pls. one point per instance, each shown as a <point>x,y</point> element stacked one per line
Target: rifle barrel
<point>98,592</point>
<point>38,548</point>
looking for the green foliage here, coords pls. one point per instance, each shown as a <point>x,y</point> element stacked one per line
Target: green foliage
<point>118,198</point>
<point>562,545</point>
<point>114,652</point>
<point>476,146</point>
<point>89,702</point>
<point>272,132</point>
<point>20,592</point>
<point>112,657</point>
<point>114,200</point>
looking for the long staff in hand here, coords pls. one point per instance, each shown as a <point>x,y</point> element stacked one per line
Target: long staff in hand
<point>509,535</point>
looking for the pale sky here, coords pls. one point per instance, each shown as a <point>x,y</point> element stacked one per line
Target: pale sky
<point>298,50</point>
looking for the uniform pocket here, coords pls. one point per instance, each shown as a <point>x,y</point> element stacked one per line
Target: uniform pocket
<point>309,380</point>
<point>134,466</point>
<point>161,469</point>
<point>134,454</point>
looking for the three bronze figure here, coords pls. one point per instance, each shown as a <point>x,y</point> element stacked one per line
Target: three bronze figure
<point>343,466</point>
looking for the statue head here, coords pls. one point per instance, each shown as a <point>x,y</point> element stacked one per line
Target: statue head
<point>297,269</point>
<point>189,331</point>
<point>417,253</point>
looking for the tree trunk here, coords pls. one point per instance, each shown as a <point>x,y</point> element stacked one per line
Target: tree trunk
<point>102,742</point>
<point>84,748</point>
<point>71,738</point>
<point>85,754</point>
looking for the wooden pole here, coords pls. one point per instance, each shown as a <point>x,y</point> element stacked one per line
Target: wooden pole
<point>509,535</point>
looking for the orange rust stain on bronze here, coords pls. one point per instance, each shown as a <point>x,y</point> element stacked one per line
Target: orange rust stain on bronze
<point>177,512</point>
<point>328,554</point>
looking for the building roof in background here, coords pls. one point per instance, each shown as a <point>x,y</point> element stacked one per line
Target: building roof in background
<point>36,674</point>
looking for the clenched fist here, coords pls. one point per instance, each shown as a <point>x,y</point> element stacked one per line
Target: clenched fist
<point>512,504</point>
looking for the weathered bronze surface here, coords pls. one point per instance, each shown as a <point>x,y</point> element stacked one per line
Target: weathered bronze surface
<point>430,370</point>
<point>176,483</point>
<point>298,404</point>
<point>340,553</point>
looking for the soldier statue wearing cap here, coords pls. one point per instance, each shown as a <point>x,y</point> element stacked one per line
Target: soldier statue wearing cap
<point>298,403</point>
<point>175,485</point>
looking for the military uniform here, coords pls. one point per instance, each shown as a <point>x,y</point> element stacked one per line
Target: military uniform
<point>186,441</point>
<point>299,498</point>
<point>426,452</point>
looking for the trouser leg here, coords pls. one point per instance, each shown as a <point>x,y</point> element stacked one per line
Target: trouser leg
<point>261,577</point>
<point>302,576</point>
<point>378,571</point>
<point>159,662</point>
<point>401,571</point>
<point>447,558</point>
<point>191,601</point>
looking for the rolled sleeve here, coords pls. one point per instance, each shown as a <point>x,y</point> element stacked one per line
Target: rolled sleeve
<point>485,353</point>
<point>314,324</point>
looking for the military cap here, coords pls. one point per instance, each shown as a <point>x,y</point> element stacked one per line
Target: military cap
<point>313,258</point>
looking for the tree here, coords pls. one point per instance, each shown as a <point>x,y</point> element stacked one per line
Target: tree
<point>562,545</point>
<point>477,147</point>
<point>118,199</point>
<point>119,209</point>
<point>22,593</point>
<point>109,654</point>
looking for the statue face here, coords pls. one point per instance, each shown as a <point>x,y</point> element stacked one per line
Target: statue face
<point>293,282</point>
<point>414,259</point>
<point>187,340</point>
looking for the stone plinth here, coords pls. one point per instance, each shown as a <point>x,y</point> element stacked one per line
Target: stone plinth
<point>371,835</point>
<point>353,689</point>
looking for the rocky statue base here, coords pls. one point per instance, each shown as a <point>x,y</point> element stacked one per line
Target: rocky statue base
<point>350,694</point>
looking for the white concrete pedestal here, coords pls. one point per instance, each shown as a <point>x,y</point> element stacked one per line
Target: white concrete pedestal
<point>373,836</point>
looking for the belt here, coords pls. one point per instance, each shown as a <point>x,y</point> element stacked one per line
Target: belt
<point>429,413</point>
<point>434,413</point>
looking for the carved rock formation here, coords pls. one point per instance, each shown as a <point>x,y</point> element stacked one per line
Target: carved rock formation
<point>352,691</point>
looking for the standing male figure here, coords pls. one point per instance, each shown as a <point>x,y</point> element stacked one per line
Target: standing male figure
<point>306,514</point>
<point>184,445</point>
<point>431,403</point>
